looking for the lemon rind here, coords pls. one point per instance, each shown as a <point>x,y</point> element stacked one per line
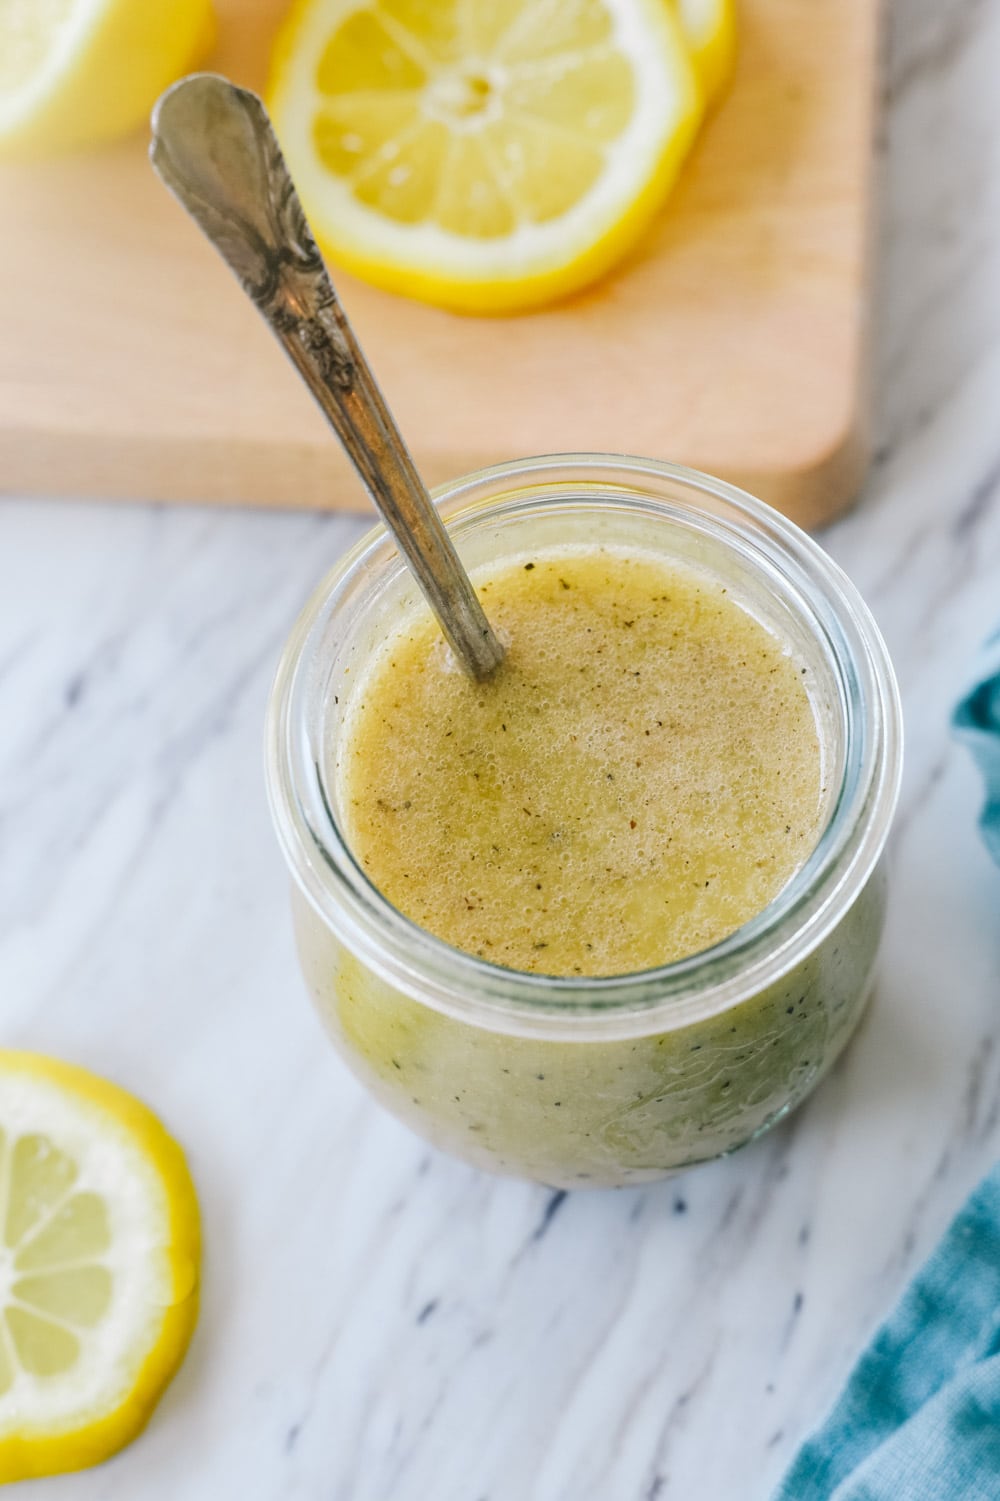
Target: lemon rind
<point>713,46</point>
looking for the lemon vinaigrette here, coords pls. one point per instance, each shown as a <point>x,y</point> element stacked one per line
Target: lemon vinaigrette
<point>615,911</point>
<point>639,779</point>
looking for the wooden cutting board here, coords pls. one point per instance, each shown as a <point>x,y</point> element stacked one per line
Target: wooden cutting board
<point>734,339</point>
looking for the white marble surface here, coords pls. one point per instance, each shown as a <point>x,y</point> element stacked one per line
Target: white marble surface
<point>378,1321</point>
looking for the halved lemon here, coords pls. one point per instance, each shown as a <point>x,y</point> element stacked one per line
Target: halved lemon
<point>488,155</point>
<point>75,72</point>
<point>99,1254</point>
<point>709,28</point>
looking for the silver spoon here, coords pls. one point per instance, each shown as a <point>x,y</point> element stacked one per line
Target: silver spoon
<point>215,149</point>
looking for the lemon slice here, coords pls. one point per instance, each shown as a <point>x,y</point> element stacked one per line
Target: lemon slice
<point>488,155</point>
<point>709,28</point>
<point>99,1251</point>
<point>74,72</point>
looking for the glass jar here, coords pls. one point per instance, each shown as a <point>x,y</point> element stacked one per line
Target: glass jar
<point>612,1080</point>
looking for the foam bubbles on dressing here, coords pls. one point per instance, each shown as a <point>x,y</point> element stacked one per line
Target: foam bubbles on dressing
<point>640,778</point>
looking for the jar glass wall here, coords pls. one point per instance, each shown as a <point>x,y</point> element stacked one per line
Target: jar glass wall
<point>612,1080</point>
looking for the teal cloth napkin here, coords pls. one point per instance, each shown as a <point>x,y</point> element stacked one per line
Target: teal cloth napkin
<point>977,723</point>
<point>919,1419</point>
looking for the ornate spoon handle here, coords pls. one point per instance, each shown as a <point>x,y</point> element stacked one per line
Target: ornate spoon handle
<point>215,149</point>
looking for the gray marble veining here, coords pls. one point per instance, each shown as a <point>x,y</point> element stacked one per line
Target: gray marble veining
<point>379,1323</point>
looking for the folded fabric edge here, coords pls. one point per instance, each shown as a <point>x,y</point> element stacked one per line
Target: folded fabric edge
<point>945,1321</point>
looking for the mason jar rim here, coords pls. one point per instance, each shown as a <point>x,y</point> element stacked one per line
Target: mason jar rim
<point>690,989</point>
